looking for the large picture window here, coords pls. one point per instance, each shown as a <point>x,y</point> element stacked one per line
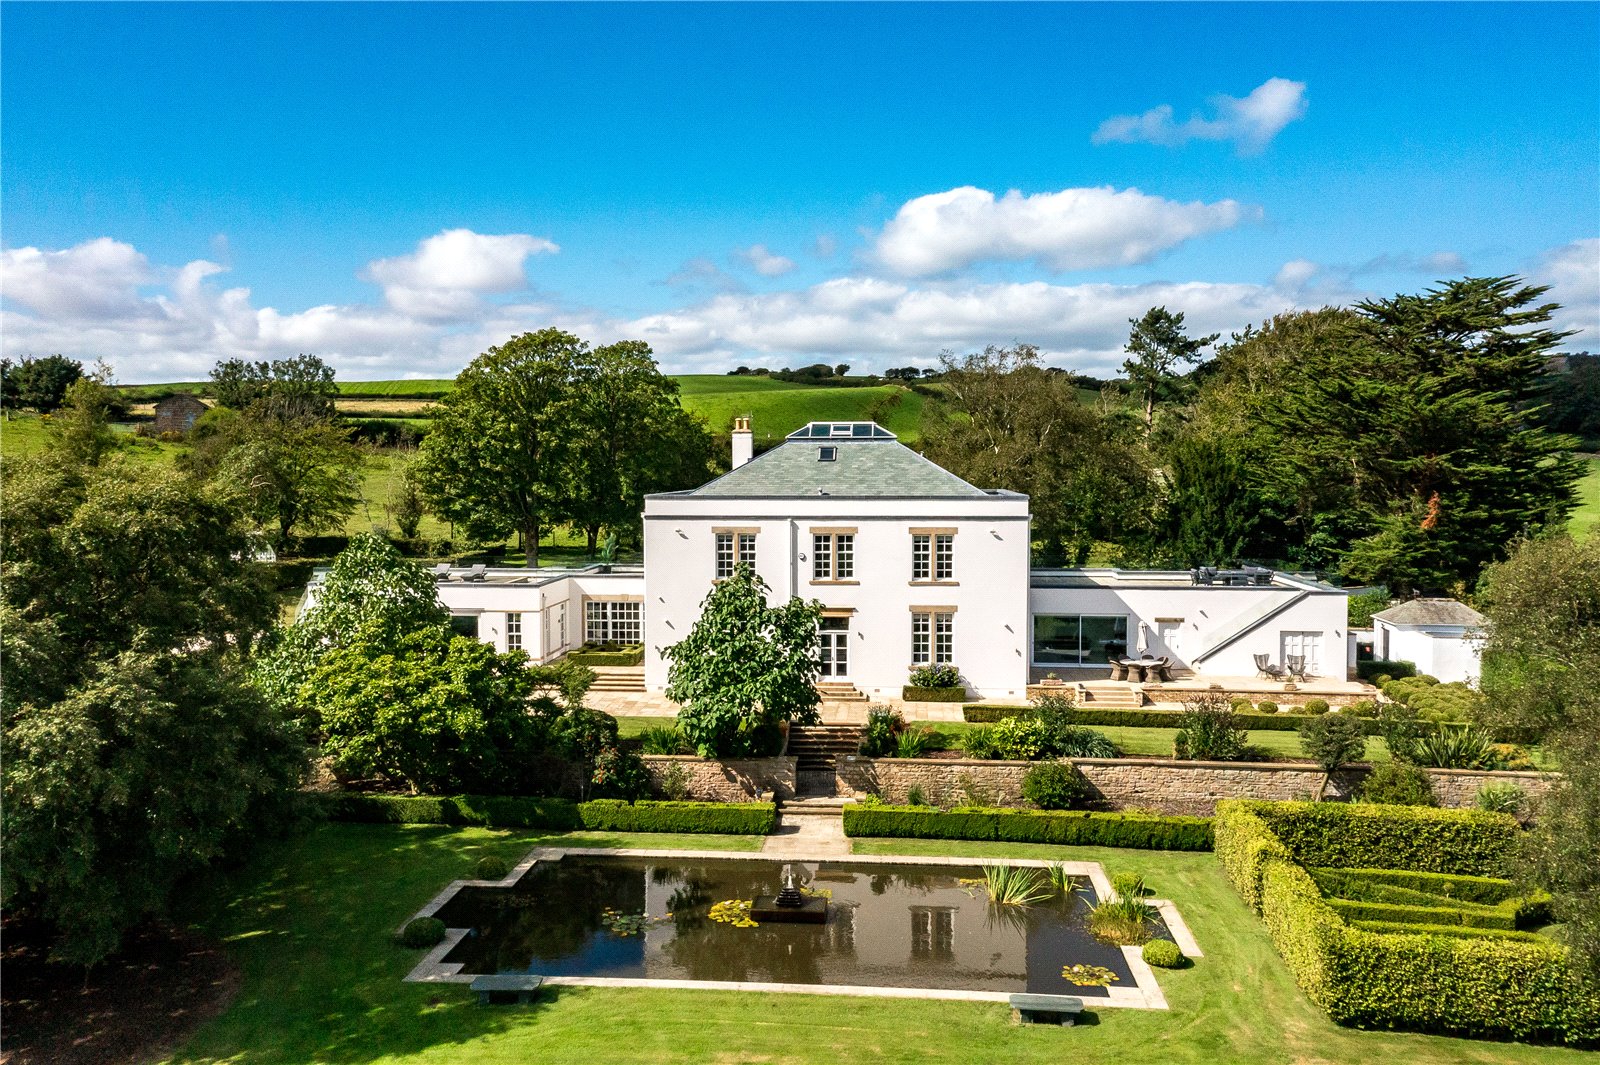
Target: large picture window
<point>1078,639</point>
<point>612,622</point>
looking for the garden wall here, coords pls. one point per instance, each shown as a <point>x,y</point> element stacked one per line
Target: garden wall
<point>1138,783</point>
<point>735,780</point>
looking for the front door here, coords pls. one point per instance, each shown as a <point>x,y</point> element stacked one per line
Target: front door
<point>1308,644</point>
<point>835,633</point>
<point>1169,631</point>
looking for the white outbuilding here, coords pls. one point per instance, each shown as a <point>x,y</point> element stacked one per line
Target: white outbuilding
<point>1441,637</point>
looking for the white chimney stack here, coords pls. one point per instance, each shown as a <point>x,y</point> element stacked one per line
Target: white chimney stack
<point>744,441</point>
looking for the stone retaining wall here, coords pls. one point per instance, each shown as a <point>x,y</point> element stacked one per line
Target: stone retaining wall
<point>735,780</point>
<point>1162,785</point>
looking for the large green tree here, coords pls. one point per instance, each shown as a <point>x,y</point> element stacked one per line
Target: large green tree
<point>1158,348</point>
<point>371,592</point>
<point>297,389</point>
<point>635,439</point>
<point>1010,422</point>
<point>1210,513</point>
<point>291,477</point>
<point>744,668</point>
<point>136,751</point>
<point>1540,666</point>
<point>1399,441</point>
<point>499,455</point>
<point>38,384</point>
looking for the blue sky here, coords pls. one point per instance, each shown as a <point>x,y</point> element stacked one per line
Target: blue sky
<point>397,187</point>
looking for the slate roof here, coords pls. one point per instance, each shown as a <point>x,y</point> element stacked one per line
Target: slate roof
<point>1433,612</point>
<point>864,466</point>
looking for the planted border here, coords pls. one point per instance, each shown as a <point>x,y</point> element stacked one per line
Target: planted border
<point>1460,981</point>
<point>1062,827</point>
<point>605,815</point>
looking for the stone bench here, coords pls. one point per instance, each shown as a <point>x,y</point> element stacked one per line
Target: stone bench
<point>1046,1009</point>
<point>524,986</point>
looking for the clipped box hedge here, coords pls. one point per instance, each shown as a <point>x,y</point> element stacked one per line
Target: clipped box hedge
<point>731,818</point>
<point>1418,838</point>
<point>1061,827</point>
<point>632,655</point>
<point>608,815</point>
<point>1372,668</point>
<point>1284,722</point>
<point>1458,930</point>
<point>1465,982</point>
<point>913,694</point>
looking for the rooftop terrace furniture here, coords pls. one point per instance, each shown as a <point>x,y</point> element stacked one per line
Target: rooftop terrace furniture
<point>1046,1009</point>
<point>441,572</point>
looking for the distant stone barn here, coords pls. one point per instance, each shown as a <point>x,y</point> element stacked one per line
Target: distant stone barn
<point>176,414</point>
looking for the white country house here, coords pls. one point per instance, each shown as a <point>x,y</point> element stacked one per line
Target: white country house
<point>913,566</point>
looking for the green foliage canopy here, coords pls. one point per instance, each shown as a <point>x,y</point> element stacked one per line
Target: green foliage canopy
<point>136,752</point>
<point>744,668</point>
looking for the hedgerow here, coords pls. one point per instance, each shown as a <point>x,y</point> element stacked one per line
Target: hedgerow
<point>611,815</point>
<point>1345,835</point>
<point>1063,827</point>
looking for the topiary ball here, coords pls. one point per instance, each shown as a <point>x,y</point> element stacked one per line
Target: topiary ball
<point>1163,954</point>
<point>1316,706</point>
<point>422,932</point>
<point>491,867</point>
<point>1266,706</point>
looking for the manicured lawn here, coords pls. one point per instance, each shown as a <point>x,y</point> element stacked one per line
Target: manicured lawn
<point>1586,519</point>
<point>309,921</point>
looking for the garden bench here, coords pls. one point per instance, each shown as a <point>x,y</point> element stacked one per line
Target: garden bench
<point>1046,1009</point>
<point>523,985</point>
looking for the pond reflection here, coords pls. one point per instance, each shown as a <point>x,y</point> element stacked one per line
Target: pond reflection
<point>888,926</point>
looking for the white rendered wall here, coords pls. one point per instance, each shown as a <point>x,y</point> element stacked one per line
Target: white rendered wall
<point>1209,612</point>
<point>988,593</point>
<point>1448,653</point>
<point>537,603</point>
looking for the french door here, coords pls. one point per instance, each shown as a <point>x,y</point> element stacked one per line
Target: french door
<point>835,634</point>
<point>1308,644</point>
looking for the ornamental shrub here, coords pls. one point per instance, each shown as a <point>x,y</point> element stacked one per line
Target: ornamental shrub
<point>1362,836</point>
<point>663,739</point>
<point>881,733</point>
<point>945,676</point>
<point>1397,784</point>
<point>1371,669</point>
<point>619,773</point>
<point>1208,731</point>
<point>1162,954</point>
<point>979,742</point>
<point>1316,706</point>
<point>1055,786</point>
<point>1020,739</point>
<point>491,867</point>
<point>1266,706</point>
<point>1500,797</point>
<point>731,818</point>
<point>915,742</point>
<point>422,932</point>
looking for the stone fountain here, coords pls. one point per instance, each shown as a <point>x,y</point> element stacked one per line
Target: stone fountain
<point>789,905</point>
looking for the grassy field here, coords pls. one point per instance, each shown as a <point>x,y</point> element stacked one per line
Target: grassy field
<point>1586,519</point>
<point>309,924</point>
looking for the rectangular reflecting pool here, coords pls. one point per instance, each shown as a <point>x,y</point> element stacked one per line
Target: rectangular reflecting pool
<point>888,926</point>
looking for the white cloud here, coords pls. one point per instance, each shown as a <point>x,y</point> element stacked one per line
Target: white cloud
<point>873,322</point>
<point>1296,273</point>
<point>1250,123</point>
<point>765,262</point>
<point>824,246</point>
<point>96,279</point>
<point>1073,229</point>
<point>1573,273</point>
<point>701,275</point>
<point>445,277</point>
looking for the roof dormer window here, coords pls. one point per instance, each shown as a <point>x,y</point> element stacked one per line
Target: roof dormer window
<point>827,454</point>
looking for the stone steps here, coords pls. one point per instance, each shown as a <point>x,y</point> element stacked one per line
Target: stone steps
<point>1119,697</point>
<point>817,748</point>
<point>839,692</point>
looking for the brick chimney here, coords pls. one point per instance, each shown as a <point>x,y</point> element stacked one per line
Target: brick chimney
<point>744,441</point>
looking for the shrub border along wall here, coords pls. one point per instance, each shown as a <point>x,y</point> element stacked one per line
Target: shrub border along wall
<point>605,815</point>
<point>1283,722</point>
<point>913,694</point>
<point>1496,985</point>
<point>1064,827</point>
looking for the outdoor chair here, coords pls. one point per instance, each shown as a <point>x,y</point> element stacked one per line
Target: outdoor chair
<point>1265,668</point>
<point>1135,670</point>
<point>1119,669</point>
<point>1297,666</point>
<point>1160,670</point>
